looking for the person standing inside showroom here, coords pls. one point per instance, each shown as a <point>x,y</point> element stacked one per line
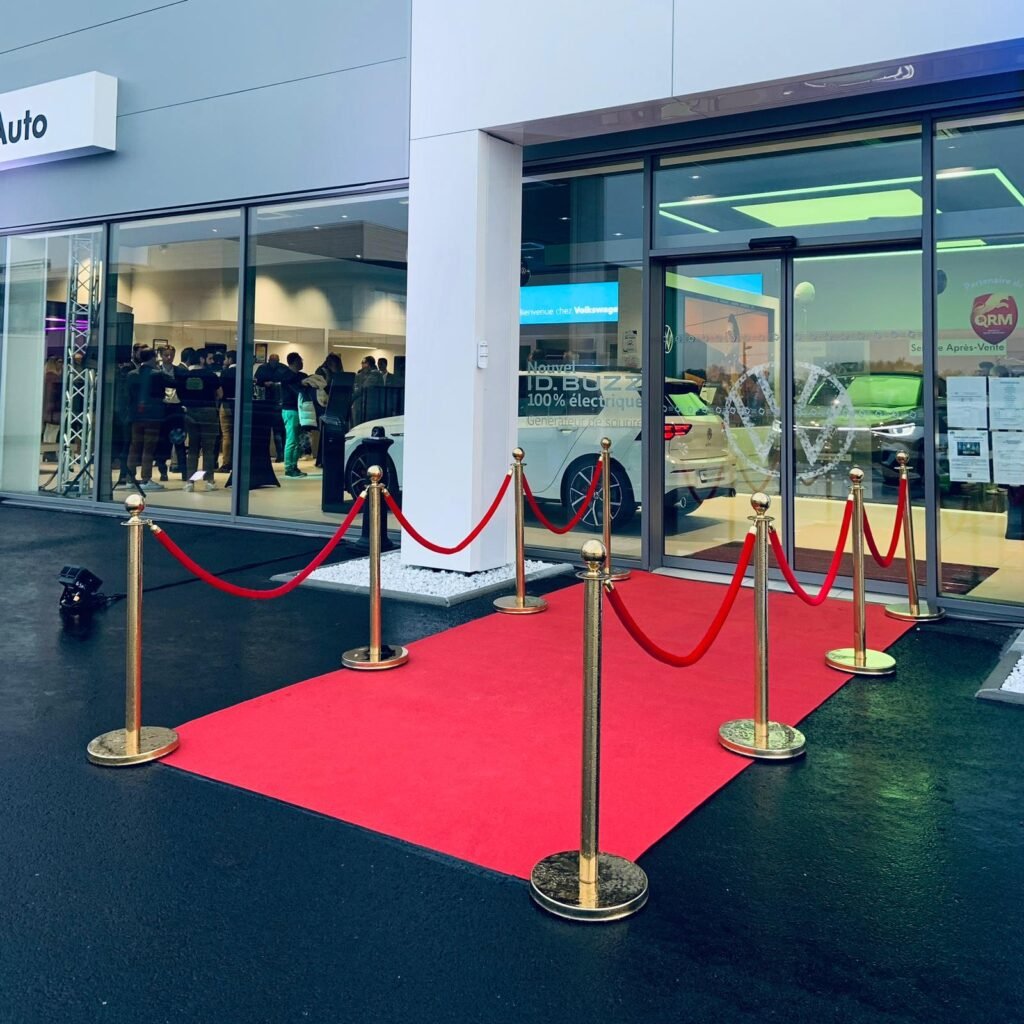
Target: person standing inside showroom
<point>291,388</point>
<point>146,386</point>
<point>199,391</point>
<point>227,411</point>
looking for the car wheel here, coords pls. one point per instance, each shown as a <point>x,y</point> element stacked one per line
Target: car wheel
<point>576,484</point>
<point>356,473</point>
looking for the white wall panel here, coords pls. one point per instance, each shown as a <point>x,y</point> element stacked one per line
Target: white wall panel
<point>206,48</point>
<point>750,41</point>
<point>477,65</point>
<point>27,23</point>
<point>347,128</point>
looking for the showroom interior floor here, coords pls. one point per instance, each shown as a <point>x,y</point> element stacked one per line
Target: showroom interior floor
<point>879,879</point>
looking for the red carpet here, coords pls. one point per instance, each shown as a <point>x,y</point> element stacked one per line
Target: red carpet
<point>473,748</point>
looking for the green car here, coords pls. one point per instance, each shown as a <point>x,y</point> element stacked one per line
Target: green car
<point>887,418</point>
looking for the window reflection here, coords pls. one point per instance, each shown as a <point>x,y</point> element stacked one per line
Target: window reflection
<point>580,346</point>
<point>328,283</point>
<point>51,294</point>
<point>840,184</point>
<point>170,359</point>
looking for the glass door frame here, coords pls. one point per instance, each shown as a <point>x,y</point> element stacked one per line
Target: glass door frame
<point>654,370</point>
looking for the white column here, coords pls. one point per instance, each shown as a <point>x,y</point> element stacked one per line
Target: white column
<point>465,196</point>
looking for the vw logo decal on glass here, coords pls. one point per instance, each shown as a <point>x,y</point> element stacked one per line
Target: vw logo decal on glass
<point>752,414</point>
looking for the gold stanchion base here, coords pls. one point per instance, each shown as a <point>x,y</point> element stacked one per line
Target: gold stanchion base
<point>874,663</point>
<point>390,657</point>
<point>621,887</point>
<point>925,612</point>
<point>784,742</point>
<point>530,606</point>
<point>109,749</point>
<point>618,574</point>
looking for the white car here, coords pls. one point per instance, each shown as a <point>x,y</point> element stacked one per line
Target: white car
<point>563,414</point>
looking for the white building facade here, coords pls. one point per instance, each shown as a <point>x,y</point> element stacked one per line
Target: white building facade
<point>754,247</point>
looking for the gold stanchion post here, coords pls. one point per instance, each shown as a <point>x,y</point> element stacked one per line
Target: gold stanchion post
<point>915,610</point>
<point>377,655</point>
<point>585,884</point>
<point>135,743</point>
<point>859,660</point>
<point>759,737</point>
<point>520,603</point>
<point>606,503</point>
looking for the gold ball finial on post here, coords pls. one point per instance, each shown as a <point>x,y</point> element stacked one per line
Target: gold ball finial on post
<point>518,454</point>
<point>374,474</point>
<point>902,458</point>
<point>856,475</point>
<point>135,504</point>
<point>593,554</point>
<point>760,502</point>
<point>606,444</point>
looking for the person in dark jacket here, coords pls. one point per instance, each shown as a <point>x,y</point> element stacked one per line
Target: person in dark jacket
<point>199,391</point>
<point>146,412</point>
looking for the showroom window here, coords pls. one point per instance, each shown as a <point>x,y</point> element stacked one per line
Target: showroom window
<point>170,349</point>
<point>581,345</point>
<point>845,184</point>
<point>50,292</point>
<point>979,218</point>
<point>325,363</point>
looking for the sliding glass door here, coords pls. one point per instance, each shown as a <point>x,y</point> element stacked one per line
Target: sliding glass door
<point>780,375</point>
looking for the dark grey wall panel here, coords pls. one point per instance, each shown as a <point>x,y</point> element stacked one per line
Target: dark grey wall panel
<point>207,48</point>
<point>27,23</point>
<point>346,128</point>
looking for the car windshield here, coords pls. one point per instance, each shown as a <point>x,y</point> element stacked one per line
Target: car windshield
<point>683,399</point>
<point>873,391</point>
<point>884,391</point>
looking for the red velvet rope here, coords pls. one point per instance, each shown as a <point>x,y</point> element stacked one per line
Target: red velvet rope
<point>396,511</point>
<point>901,504</point>
<point>684,660</point>
<point>260,595</point>
<point>833,569</point>
<point>580,512</point>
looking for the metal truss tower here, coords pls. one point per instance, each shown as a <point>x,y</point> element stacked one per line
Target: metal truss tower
<point>75,467</point>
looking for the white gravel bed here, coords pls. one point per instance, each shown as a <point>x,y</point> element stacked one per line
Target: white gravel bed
<point>1006,681</point>
<point>1015,680</point>
<point>429,586</point>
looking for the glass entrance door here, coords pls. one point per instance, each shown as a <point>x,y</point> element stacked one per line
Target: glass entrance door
<point>858,399</point>
<point>780,375</point>
<point>721,402</point>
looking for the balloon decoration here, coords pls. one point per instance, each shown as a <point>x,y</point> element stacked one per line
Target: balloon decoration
<point>804,293</point>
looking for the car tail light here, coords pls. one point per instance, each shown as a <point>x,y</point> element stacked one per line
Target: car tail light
<point>677,430</point>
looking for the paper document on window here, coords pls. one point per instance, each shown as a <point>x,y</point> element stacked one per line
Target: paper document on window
<point>968,456</point>
<point>1008,457</point>
<point>967,399</point>
<point>1007,403</point>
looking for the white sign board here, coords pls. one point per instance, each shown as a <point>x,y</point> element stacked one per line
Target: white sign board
<point>1008,457</point>
<point>1007,403</point>
<point>56,120</point>
<point>968,456</point>
<point>968,401</point>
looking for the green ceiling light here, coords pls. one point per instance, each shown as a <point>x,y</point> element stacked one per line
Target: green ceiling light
<point>855,186</point>
<point>690,223</point>
<point>962,243</point>
<point>858,206</point>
